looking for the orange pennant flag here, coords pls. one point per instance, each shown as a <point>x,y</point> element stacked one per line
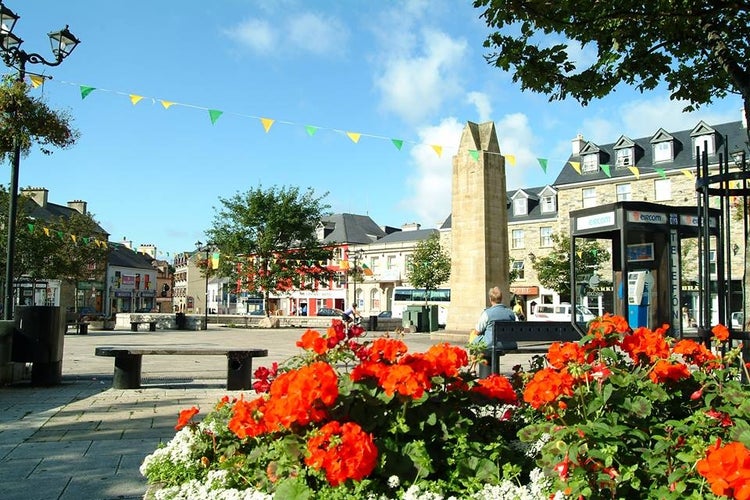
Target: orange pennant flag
<point>354,136</point>
<point>135,98</point>
<point>576,165</point>
<point>267,122</point>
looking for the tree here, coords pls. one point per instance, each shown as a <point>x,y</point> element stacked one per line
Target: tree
<point>430,265</point>
<point>700,49</point>
<point>553,270</point>
<point>267,240</point>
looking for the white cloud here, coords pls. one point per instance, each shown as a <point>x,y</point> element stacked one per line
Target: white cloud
<point>415,86</point>
<point>256,34</point>
<point>482,102</point>
<point>515,137</point>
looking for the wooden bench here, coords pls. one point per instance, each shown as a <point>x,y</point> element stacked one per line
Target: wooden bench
<point>532,337</point>
<point>134,325</point>
<point>128,363</point>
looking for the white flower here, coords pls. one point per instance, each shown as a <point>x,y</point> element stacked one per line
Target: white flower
<point>393,482</point>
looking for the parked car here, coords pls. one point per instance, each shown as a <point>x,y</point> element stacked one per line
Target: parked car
<point>384,314</point>
<point>257,312</point>
<point>89,313</point>
<point>329,311</point>
<point>737,320</point>
<point>561,312</point>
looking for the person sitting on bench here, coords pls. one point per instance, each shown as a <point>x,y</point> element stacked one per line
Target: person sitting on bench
<point>496,312</point>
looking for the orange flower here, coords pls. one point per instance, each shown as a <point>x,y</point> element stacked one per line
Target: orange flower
<point>560,354</point>
<point>312,341</point>
<point>693,352</point>
<point>403,379</point>
<point>496,387</point>
<point>664,371</point>
<point>384,349</point>
<point>721,332</point>
<point>446,359</point>
<point>727,470</point>
<point>344,451</point>
<point>643,345</point>
<point>546,386</point>
<point>185,417</point>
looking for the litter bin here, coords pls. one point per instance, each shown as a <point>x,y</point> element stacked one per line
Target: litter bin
<point>372,325</point>
<point>181,320</point>
<point>38,338</point>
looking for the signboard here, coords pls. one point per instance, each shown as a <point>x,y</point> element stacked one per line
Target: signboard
<point>641,252</point>
<point>646,217</point>
<point>594,221</point>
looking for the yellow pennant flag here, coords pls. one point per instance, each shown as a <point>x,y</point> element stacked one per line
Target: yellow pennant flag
<point>635,171</point>
<point>576,166</point>
<point>438,150</point>
<point>135,98</point>
<point>166,104</point>
<point>46,231</point>
<point>687,173</point>
<point>36,80</point>
<point>354,136</point>
<point>267,122</point>
<point>511,159</point>
<point>74,238</point>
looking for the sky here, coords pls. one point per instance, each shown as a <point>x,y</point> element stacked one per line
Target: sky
<point>317,75</point>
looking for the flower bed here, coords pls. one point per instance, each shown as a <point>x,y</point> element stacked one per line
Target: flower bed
<point>621,414</point>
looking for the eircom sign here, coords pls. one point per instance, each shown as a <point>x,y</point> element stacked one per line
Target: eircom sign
<point>646,217</point>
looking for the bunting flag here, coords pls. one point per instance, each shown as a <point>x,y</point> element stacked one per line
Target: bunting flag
<point>267,123</point>
<point>474,154</point>
<point>135,99</point>
<point>366,270</point>
<point>576,166</point>
<point>344,265</point>
<point>60,234</point>
<point>438,150</point>
<point>543,163</point>
<point>36,80</point>
<point>353,136</point>
<point>661,172</point>
<point>167,104</point>
<point>215,260</point>
<point>398,143</point>
<point>605,169</point>
<point>214,114</point>
<point>73,237</point>
<point>31,228</point>
<point>511,159</point>
<point>635,171</point>
<point>46,231</point>
<point>85,91</point>
<point>687,173</point>
<point>311,130</point>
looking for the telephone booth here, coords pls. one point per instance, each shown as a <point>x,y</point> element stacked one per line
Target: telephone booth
<point>655,275</point>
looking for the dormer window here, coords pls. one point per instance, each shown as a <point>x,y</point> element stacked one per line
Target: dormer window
<point>703,136</point>
<point>521,206</point>
<point>663,151</point>
<point>549,204</point>
<point>590,163</point>
<point>624,158</point>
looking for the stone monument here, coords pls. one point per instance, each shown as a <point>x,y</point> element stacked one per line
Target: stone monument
<point>479,226</point>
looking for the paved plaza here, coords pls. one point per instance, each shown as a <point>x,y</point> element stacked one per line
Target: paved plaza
<point>82,439</point>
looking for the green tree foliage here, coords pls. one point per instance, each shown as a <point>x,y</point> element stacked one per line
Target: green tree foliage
<point>267,239</point>
<point>699,49</point>
<point>30,120</point>
<point>553,270</point>
<point>430,265</point>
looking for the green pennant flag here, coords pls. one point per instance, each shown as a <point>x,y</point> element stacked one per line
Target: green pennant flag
<point>543,163</point>
<point>214,114</point>
<point>605,169</point>
<point>31,228</point>
<point>398,143</point>
<point>60,234</point>
<point>661,172</point>
<point>86,240</point>
<point>474,154</point>
<point>85,91</point>
<point>311,130</point>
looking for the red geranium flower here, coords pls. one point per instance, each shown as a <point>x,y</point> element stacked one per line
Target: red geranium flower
<point>344,451</point>
<point>185,417</point>
<point>727,470</point>
<point>547,386</point>
<point>721,332</point>
<point>664,371</point>
<point>496,387</point>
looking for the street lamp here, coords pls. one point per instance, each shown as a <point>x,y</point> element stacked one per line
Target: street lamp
<point>199,246</point>
<point>63,42</point>
<point>357,256</point>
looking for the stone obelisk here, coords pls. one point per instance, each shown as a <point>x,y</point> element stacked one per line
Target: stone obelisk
<point>479,226</point>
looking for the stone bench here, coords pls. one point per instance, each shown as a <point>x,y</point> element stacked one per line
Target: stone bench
<point>128,363</point>
<point>135,324</point>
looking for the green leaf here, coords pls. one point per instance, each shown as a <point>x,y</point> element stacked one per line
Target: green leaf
<point>293,489</point>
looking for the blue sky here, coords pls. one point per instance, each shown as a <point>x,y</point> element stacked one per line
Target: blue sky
<point>412,71</point>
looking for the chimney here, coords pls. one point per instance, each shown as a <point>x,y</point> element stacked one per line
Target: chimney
<point>39,195</point>
<point>148,249</point>
<point>78,205</point>
<point>578,143</point>
<point>411,226</point>
<point>127,243</point>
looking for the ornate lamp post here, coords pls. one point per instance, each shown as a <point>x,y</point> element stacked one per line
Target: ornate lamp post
<point>201,248</point>
<point>63,42</point>
<point>357,256</point>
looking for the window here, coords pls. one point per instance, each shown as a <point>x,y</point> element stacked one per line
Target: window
<point>624,158</point>
<point>591,163</point>
<point>704,140</point>
<point>518,268</point>
<point>712,264</point>
<point>520,206</point>
<point>375,264</point>
<point>545,236</point>
<point>408,263</point>
<point>662,189</point>
<point>589,197</point>
<point>663,151</point>
<point>390,262</point>
<point>548,204</point>
<point>623,192</point>
<point>517,236</point>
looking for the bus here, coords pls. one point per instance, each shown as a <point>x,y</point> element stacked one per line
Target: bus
<point>404,296</point>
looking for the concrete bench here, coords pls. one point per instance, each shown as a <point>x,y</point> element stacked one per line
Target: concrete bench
<point>151,325</point>
<point>128,363</point>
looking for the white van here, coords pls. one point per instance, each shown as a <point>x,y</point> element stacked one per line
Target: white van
<point>561,312</point>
